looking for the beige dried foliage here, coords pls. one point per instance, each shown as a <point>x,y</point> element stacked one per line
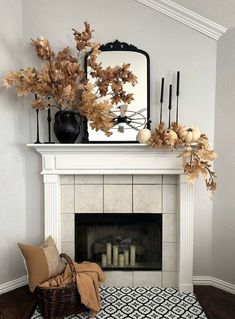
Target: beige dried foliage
<point>62,79</point>
<point>96,111</point>
<point>196,161</point>
<point>196,157</point>
<point>160,137</point>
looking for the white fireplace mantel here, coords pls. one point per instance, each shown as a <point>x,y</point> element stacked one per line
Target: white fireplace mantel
<point>107,159</point>
<point>73,159</point>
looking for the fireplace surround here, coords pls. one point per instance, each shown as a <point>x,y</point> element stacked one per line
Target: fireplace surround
<point>119,159</point>
<point>104,196</point>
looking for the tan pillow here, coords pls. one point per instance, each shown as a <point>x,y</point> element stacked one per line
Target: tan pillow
<point>42,262</point>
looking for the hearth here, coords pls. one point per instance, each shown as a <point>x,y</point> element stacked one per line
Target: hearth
<point>119,241</point>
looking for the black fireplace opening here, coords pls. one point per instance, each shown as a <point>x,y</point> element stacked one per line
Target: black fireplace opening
<point>119,241</point>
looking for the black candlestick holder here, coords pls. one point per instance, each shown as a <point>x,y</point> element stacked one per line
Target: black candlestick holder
<point>38,138</point>
<point>49,126</point>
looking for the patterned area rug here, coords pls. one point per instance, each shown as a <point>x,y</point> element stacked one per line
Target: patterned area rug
<point>141,302</point>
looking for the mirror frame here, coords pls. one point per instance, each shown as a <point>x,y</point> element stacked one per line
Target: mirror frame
<point>121,46</point>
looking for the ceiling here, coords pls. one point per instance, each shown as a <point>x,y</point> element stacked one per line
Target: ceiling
<point>219,11</point>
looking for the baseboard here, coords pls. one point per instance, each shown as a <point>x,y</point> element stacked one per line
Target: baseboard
<point>215,282</point>
<point>197,280</point>
<point>13,284</point>
<point>185,288</point>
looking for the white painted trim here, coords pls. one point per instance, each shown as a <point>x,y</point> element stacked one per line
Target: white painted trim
<point>215,282</point>
<point>185,288</point>
<point>73,159</point>
<point>185,234</point>
<point>58,159</point>
<point>13,284</point>
<point>52,209</point>
<point>187,17</point>
<point>197,280</point>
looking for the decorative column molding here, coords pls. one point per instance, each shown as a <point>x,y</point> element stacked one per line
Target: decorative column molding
<point>185,234</point>
<point>52,215</point>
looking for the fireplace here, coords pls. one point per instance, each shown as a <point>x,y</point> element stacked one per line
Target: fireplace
<point>61,164</point>
<point>119,241</point>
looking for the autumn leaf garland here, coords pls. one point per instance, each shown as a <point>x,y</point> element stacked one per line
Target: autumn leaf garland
<point>197,157</point>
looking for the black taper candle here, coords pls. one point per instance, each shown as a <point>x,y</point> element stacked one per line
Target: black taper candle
<point>37,110</point>
<point>178,84</point>
<point>170,105</point>
<point>177,96</point>
<point>161,99</point>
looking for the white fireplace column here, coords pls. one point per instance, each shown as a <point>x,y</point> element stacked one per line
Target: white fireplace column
<point>185,235</point>
<point>52,209</point>
<point>117,159</point>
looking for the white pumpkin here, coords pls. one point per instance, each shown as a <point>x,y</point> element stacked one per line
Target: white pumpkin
<point>189,134</point>
<point>143,136</point>
<point>171,135</point>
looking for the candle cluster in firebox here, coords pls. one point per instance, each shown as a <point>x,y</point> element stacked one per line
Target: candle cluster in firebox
<point>113,258</point>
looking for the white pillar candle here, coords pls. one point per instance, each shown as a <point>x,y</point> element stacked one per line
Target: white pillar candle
<point>115,255</point>
<point>121,260</point>
<point>109,253</point>
<point>104,260</point>
<point>126,257</point>
<point>132,253</point>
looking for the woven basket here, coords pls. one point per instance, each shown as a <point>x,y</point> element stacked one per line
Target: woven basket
<point>59,302</point>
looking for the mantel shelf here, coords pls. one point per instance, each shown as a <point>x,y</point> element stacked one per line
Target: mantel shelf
<point>62,159</point>
<point>110,147</point>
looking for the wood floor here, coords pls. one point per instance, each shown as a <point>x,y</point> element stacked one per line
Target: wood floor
<point>217,304</point>
<point>17,304</point>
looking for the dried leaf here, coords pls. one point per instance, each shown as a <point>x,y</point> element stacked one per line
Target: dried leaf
<point>62,78</point>
<point>195,157</point>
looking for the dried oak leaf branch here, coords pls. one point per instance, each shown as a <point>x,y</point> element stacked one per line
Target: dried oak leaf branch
<point>196,160</point>
<point>62,78</point>
<point>196,157</point>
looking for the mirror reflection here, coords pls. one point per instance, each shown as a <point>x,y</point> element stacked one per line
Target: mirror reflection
<point>128,119</point>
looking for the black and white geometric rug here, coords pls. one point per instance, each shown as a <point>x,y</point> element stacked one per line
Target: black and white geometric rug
<point>142,302</point>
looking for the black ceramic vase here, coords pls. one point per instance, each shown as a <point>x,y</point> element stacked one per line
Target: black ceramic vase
<point>67,126</point>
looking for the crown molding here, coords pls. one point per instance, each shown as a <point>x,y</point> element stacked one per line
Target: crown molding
<point>187,17</point>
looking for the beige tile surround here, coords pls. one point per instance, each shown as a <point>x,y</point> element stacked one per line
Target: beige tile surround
<point>124,194</point>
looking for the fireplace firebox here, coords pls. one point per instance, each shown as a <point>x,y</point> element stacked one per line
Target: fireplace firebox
<point>119,241</point>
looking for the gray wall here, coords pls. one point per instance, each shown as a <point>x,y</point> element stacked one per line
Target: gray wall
<point>171,46</point>
<point>223,256</point>
<point>21,190</point>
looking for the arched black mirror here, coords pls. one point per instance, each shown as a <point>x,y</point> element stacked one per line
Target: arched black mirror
<point>127,119</point>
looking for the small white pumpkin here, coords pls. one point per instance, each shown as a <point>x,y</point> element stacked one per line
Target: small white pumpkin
<point>171,135</point>
<point>189,134</point>
<point>143,136</point>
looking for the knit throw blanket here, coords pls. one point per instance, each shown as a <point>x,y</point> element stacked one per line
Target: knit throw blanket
<point>88,278</point>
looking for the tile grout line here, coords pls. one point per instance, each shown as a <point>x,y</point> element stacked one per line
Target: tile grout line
<point>162,226</point>
<point>132,185</point>
<point>74,241</point>
<point>132,180</point>
<point>103,194</point>
<point>74,194</point>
